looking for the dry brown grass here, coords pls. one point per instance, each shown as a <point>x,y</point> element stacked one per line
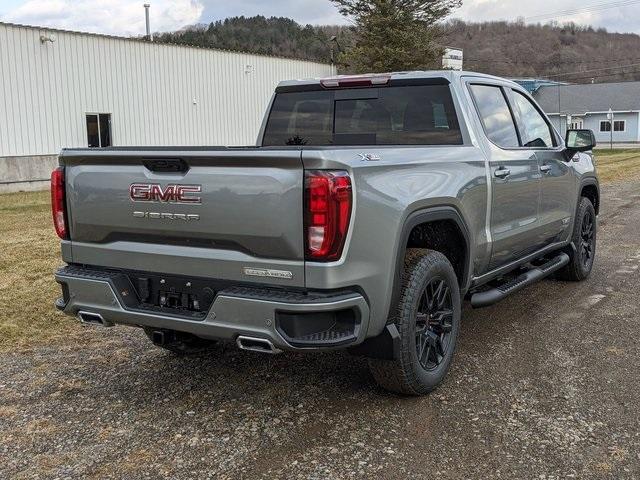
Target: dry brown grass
<point>616,165</point>
<point>30,253</point>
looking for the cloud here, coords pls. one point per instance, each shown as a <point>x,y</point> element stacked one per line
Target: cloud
<point>126,17</point>
<point>117,17</point>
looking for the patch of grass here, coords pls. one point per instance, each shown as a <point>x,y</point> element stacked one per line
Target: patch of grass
<point>615,165</point>
<point>30,253</point>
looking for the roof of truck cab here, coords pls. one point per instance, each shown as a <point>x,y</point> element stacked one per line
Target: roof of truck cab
<point>448,75</point>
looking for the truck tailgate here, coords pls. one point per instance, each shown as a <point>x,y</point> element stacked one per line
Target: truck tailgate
<point>226,213</point>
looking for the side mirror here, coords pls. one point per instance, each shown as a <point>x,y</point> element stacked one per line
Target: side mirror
<point>580,140</point>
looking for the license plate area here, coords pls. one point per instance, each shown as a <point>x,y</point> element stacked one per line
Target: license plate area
<point>190,297</point>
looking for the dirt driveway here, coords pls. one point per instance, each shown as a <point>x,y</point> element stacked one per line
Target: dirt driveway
<point>544,385</point>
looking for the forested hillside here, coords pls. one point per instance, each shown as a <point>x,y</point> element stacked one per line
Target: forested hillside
<point>501,48</point>
<point>271,36</point>
<point>518,50</point>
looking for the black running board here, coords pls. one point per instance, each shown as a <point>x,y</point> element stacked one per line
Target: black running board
<point>489,297</point>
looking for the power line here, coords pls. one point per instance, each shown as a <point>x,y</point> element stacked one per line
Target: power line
<point>593,70</point>
<point>606,75</point>
<point>572,76</point>
<point>585,9</point>
<point>543,62</point>
<point>565,13</point>
<point>592,73</point>
<point>595,77</point>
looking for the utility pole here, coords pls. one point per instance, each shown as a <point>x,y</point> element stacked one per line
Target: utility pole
<point>610,117</point>
<point>146,17</point>
<point>333,45</point>
<point>560,115</point>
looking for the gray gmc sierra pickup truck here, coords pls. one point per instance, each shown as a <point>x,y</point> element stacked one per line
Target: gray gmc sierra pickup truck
<point>371,207</point>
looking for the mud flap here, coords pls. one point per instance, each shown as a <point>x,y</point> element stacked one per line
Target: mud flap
<point>385,346</point>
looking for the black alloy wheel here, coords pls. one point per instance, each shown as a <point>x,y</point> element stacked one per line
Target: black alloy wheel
<point>434,323</point>
<point>587,239</point>
<point>427,320</point>
<point>582,252</point>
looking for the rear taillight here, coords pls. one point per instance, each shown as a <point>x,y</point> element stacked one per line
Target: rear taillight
<point>327,212</point>
<point>58,203</point>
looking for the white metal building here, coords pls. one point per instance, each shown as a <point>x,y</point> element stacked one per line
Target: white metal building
<point>69,89</point>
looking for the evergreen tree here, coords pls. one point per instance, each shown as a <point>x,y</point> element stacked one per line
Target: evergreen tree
<point>393,35</point>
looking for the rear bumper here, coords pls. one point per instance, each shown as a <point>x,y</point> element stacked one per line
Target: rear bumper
<point>282,317</point>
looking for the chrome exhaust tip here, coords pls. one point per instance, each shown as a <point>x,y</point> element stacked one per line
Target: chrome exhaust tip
<point>89,318</point>
<point>255,344</point>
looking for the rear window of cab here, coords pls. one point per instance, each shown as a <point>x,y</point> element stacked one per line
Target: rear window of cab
<point>400,115</point>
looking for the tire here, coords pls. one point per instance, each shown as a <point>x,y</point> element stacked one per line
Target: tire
<point>416,370</point>
<point>180,343</point>
<point>584,240</point>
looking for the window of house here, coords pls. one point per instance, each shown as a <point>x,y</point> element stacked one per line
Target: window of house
<point>495,115</point>
<point>618,126</point>
<point>99,130</point>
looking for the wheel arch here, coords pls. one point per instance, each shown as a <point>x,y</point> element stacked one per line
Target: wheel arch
<point>441,216</point>
<point>386,345</point>
<point>590,189</point>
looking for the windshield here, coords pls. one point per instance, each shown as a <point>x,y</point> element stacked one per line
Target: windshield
<point>406,115</point>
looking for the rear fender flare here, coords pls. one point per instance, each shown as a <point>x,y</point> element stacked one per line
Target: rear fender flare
<point>426,216</point>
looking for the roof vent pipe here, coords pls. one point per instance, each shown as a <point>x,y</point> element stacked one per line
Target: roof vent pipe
<point>146,17</point>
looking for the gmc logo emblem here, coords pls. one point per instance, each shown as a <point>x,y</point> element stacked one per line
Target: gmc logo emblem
<point>153,192</point>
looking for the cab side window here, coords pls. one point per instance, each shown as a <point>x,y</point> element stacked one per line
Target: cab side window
<point>534,129</point>
<point>495,115</point>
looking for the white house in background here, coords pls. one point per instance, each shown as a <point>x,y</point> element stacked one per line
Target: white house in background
<point>587,106</point>
<point>70,89</point>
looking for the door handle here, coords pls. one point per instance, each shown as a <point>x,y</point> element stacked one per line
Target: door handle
<point>502,172</point>
<point>545,168</point>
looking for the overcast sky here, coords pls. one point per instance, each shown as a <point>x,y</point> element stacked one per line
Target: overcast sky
<point>126,17</point>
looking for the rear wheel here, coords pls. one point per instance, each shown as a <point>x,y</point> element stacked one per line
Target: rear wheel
<point>180,343</point>
<point>428,320</point>
<point>584,240</point>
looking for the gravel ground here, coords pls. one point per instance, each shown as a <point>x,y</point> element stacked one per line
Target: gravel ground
<point>544,385</point>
